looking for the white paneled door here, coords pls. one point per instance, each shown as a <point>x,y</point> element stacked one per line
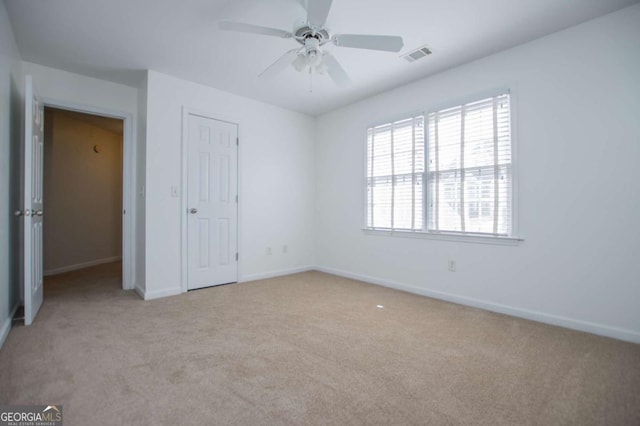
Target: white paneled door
<point>32,211</point>
<point>212,224</point>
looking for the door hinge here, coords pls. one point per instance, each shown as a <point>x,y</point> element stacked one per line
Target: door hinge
<point>238,141</point>
<point>236,198</point>
<point>236,256</point>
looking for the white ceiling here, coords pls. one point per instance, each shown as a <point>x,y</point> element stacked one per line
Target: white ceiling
<point>116,39</point>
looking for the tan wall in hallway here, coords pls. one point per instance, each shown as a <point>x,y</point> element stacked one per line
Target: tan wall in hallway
<point>82,192</point>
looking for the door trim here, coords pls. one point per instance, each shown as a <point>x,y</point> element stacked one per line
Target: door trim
<point>128,180</point>
<point>184,267</point>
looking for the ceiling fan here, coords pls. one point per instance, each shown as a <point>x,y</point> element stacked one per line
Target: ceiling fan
<point>313,35</point>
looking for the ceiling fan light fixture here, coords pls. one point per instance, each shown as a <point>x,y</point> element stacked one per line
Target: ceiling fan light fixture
<point>321,68</point>
<point>300,64</point>
<point>314,58</point>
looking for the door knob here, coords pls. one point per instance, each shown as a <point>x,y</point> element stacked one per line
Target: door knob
<point>193,210</point>
<point>18,213</point>
<point>38,213</point>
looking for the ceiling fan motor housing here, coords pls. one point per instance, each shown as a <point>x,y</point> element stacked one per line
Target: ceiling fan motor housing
<point>303,31</point>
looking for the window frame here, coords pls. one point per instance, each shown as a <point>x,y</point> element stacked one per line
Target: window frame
<point>515,238</point>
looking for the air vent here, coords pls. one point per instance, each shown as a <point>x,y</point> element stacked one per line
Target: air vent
<point>419,53</point>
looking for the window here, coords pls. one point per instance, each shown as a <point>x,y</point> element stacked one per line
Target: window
<point>458,180</point>
<point>395,169</point>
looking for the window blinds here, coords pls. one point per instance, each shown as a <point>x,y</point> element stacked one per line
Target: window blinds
<point>467,185</point>
<point>395,169</point>
<point>469,174</point>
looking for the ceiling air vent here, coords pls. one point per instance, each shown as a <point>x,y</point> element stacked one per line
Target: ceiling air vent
<point>419,53</point>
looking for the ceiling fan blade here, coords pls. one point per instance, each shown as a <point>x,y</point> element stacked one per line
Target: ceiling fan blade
<point>373,42</point>
<point>283,62</point>
<point>253,29</point>
<point>317,11</point>
<point>335,70</point>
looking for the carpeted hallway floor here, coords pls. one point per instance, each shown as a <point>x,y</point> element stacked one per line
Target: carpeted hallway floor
<point>309,348</point>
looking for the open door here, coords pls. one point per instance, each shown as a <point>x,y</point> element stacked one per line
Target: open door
<point>32,203</point>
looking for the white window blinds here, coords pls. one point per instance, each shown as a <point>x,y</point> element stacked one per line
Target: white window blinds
<point>395,168</point>
<point>469,168</point>
<point>466,187</point>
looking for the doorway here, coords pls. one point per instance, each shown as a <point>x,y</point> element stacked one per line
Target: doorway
<point>83,190</point>
<point>30,209</point>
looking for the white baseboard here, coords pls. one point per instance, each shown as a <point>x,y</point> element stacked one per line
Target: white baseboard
<point>6,326</point>
<point>150,295</point>
<point>139,290</point>
<point>273,274</point>
<point>146,295</point>
<point>81,265</point>
<point>589,327</point>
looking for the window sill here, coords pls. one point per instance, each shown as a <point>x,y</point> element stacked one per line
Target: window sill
<point>471,238</point>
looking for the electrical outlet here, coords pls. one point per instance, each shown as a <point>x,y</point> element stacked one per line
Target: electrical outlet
<point>451,265</point>
<point>285,249</point>
<point>268,251</point>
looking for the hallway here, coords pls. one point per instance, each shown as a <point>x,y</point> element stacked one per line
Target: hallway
<point>104,281</point>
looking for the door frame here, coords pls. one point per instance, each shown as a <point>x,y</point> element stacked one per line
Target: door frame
<point>184,266</point>
<point>128,180</point>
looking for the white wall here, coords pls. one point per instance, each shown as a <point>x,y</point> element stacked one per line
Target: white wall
<point>83,193</point>
<point>276,181</point>
<point>577,105</point>
<point>141,149</point>
<point>85,91</point>
<point>10,82</point>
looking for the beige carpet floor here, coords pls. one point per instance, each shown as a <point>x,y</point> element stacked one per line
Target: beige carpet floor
<point>308,348</point>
